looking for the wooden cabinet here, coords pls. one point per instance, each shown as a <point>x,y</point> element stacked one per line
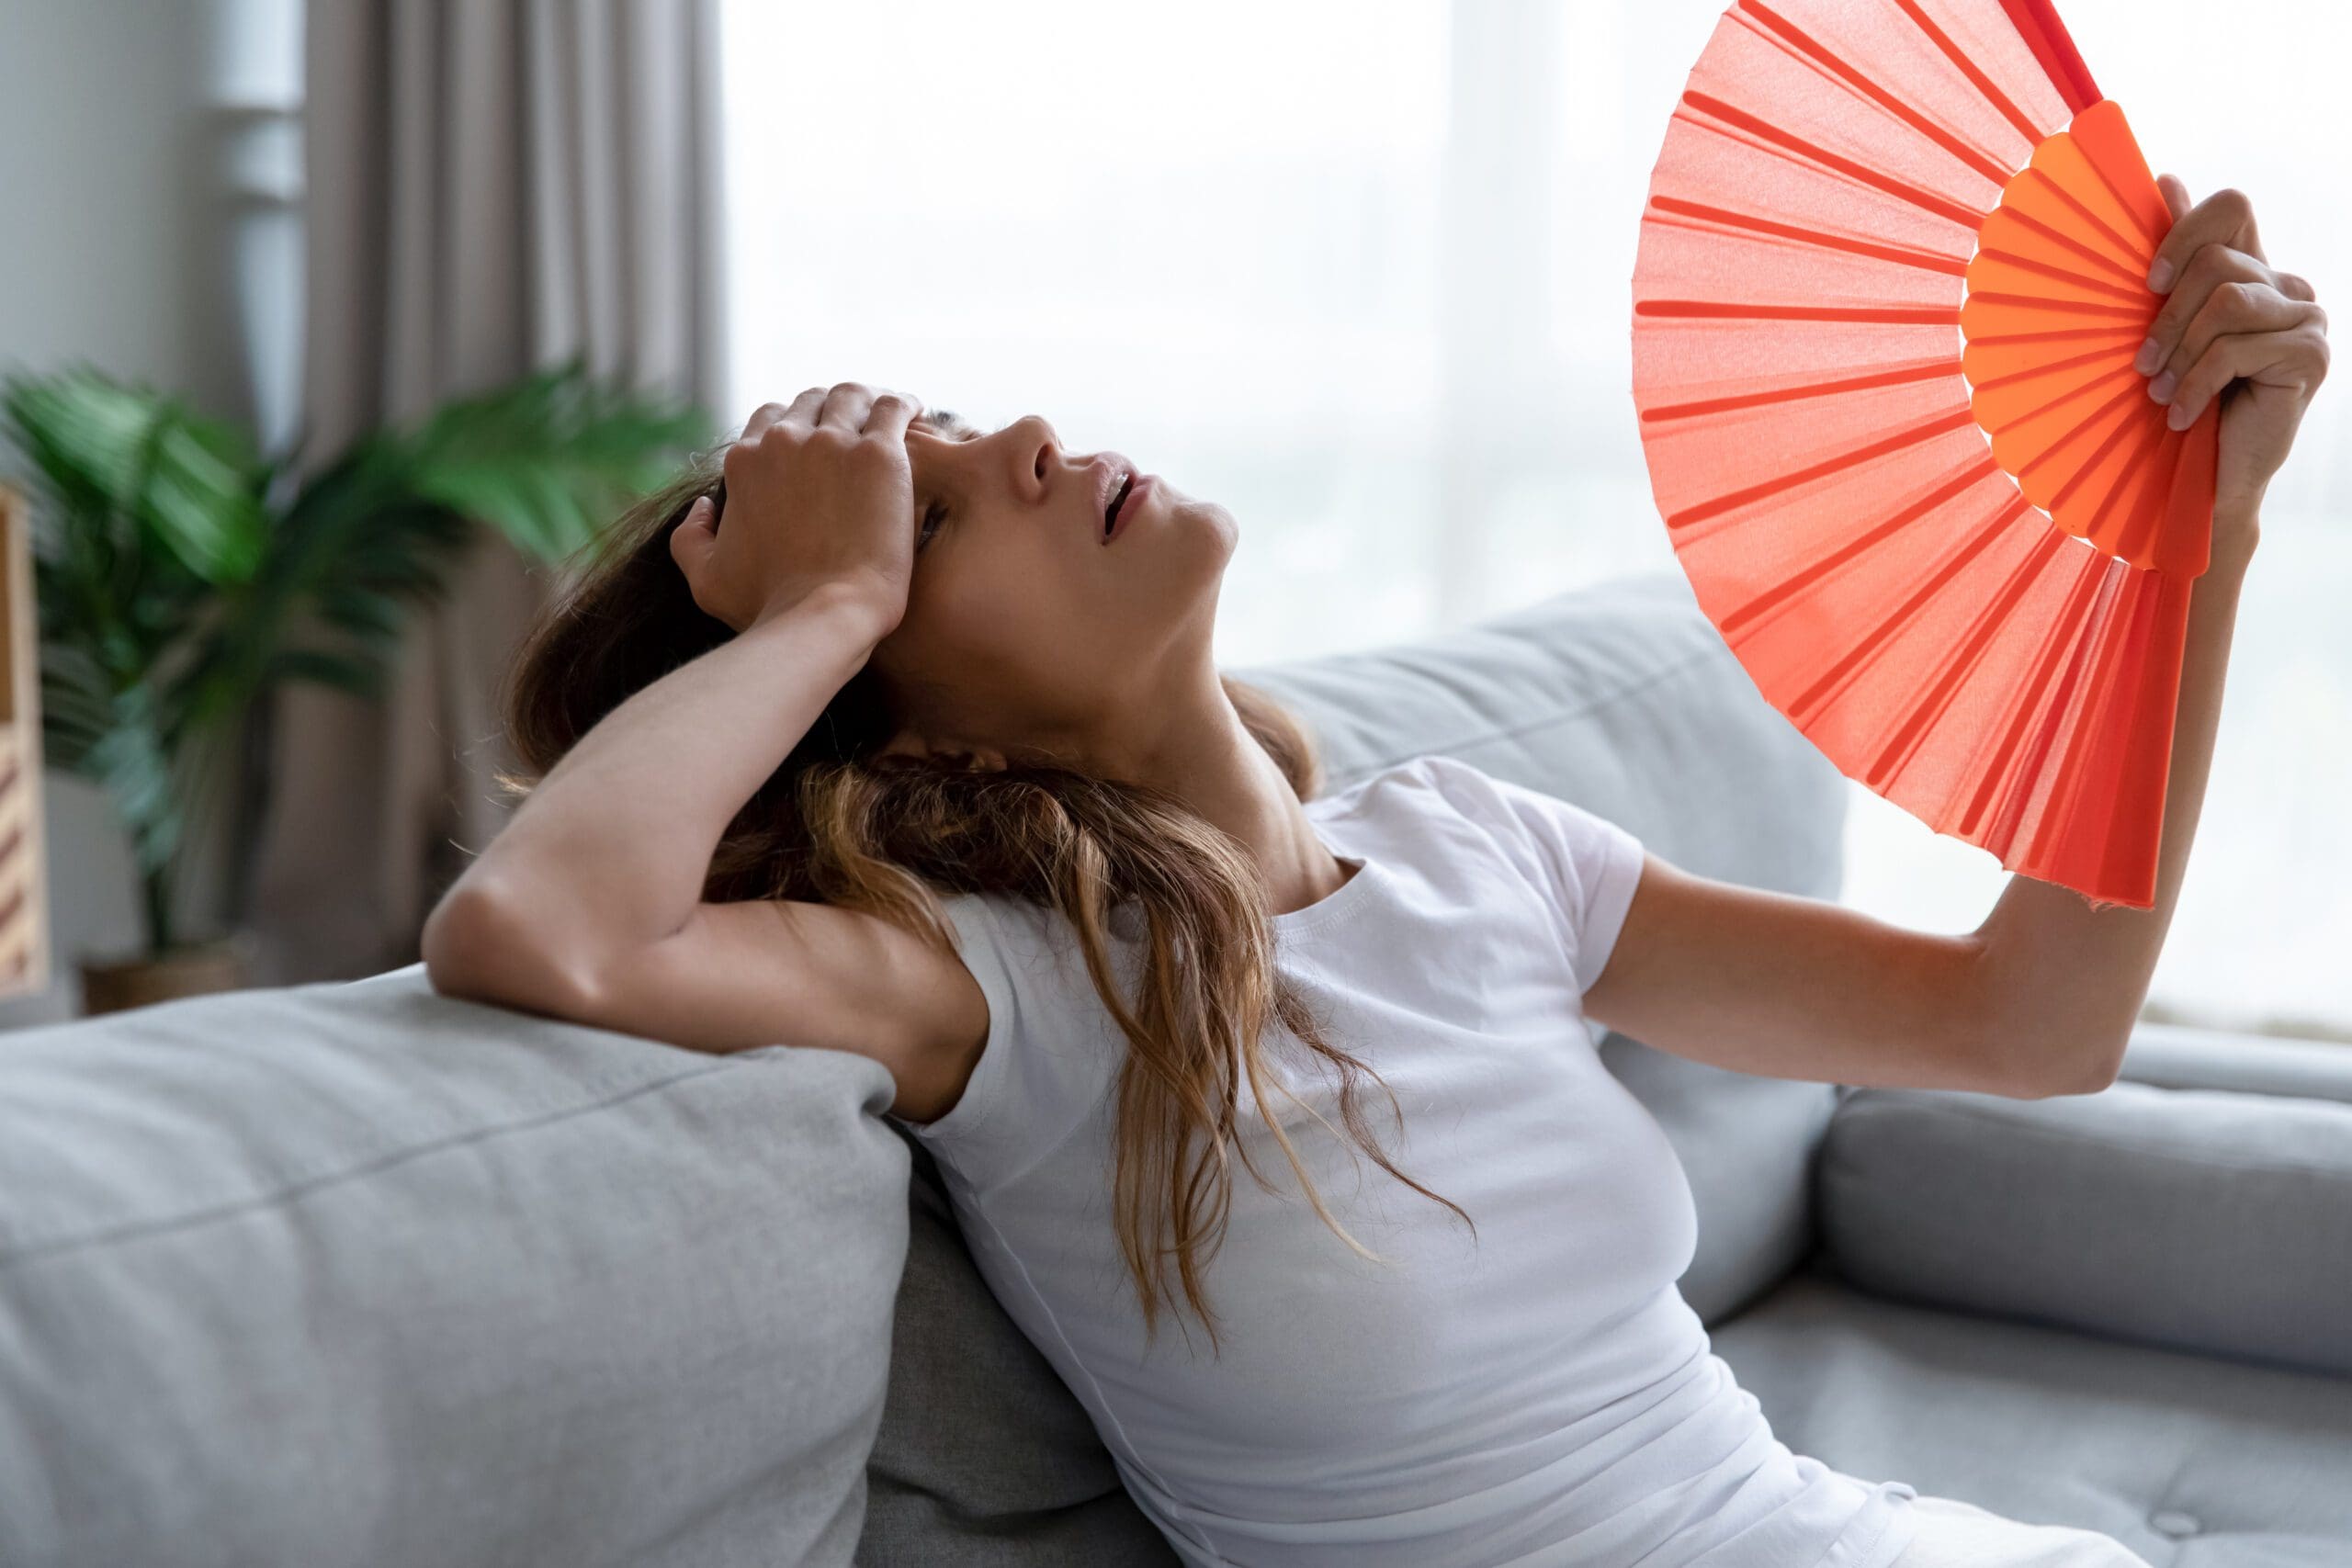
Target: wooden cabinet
<point>24,892</point>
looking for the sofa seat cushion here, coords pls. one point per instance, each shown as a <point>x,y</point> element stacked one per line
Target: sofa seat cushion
<point>2188,1459</point>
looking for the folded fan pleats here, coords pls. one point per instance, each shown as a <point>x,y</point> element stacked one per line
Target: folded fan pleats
<point>1884,312</point>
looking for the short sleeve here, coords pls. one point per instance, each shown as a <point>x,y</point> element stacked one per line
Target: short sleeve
<point>1585,865</point>
<point>1038,1070</point>
<point>977,944</point>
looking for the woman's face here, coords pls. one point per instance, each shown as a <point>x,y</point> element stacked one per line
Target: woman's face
<point>1025,628</point>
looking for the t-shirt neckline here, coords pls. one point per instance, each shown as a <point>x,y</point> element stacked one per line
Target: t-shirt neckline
<point>1351,895</point>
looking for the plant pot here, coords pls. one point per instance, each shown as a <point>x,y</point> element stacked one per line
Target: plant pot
<point>190,969</point>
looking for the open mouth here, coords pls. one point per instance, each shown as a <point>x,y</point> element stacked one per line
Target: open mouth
<point>1118,499</point>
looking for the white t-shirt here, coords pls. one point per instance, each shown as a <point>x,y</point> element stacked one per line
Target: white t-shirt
<point>1541,1395</point>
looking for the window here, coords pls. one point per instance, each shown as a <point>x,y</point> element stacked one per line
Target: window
<point>1360,270</point>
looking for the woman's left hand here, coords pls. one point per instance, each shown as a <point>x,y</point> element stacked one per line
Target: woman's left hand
<point>2236,329</point>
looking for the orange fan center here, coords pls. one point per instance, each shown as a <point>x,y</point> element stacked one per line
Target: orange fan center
<point>2057,307</point>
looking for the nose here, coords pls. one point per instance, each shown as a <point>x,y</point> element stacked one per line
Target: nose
<point>1038,449</point>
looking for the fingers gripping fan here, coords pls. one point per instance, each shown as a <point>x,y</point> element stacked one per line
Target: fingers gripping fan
<point>1890,282</point>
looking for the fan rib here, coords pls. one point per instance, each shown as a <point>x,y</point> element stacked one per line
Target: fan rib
<point>2107,183</point>
<point>2144,778</point>
<point>1868,647</point>
<point>1925,431</point>
<point>2109,334</point>
<point>2019,796</point>
<point>2068,242</point>
<point>2071,307</point>
<point>1993,383</point>
<point>2051,447</point>
<point>2124,521</point>
<point>1925,371</point>
<point>1996,767</point>
<point>2121,640</point>
<point>2135,532</point>
<point>2029,413</point>
<point>2037,23</point>
<point>1964,660</point>
<point>1926,200</point>
<point>2135,295</point>
<point>1737,620</point>
<point>1926,261</point>
<point>1733,309</point>
<point>1975,158</point>
<point>2090,465</point>
<point>1977,79</point>
<point>2059,448</point>
<point>2104,140</point>
<point>2122,246</point>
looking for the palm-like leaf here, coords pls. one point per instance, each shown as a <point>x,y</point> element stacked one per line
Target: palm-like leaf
<point>544,459</point>
<point>177,570</point>
<point>161,475</point>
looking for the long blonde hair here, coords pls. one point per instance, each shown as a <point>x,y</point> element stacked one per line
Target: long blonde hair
<point>839,823</point>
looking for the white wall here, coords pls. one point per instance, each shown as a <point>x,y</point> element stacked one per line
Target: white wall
<point>123,236</point>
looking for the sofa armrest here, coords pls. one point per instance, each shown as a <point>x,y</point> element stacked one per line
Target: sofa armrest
<point>2172,1058</point>
<point>360,1273</point>
<point>2212,1220</point>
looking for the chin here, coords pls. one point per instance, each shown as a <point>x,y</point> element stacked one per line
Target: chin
<point>1198,529</point>
<point>1220,522</point>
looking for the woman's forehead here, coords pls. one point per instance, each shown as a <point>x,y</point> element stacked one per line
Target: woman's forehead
<point>946,424</point>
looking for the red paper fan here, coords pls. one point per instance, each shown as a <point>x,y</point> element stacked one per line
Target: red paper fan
<point>1892,279</point>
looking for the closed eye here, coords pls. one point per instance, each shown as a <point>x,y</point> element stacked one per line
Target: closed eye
<point>933,517</point>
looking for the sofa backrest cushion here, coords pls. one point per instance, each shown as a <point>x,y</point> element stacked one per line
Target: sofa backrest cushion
<point>2217,1222</point>
<point>1621,698</point>
<point>362,1275</point>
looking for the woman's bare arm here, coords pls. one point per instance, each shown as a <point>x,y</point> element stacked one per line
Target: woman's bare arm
<point>2038,999</point>
<point>609,851</point>
<point>2060,982</point>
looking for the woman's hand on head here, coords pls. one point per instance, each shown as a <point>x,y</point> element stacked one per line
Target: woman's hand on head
<point>819,495</point>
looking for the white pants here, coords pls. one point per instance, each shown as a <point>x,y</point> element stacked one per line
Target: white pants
<point>1953,1534</point>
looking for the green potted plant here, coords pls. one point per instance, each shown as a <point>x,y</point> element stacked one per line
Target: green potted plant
<point>180,575</point>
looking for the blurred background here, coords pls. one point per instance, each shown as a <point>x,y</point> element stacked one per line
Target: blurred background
<point>1358,270</point>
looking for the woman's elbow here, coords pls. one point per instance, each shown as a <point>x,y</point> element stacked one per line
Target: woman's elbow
<point>481,946</point>
<point>2057,1067</point>
<point>2033,1045</point>
<point>2095,1068</point>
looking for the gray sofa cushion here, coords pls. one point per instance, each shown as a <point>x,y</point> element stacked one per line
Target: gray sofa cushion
<point>2187,1459</point>
<point>2197,1058</point>
<point>360,1275</point>
<point>2205,1220</point>
<point>984,1458</point>
<point>1621,698</point>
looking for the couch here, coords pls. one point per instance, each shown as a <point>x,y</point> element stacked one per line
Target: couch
<point>358,1274</point>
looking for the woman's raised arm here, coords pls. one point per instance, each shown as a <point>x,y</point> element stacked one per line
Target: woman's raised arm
<point>2041,999</point>
<point>609,852</point>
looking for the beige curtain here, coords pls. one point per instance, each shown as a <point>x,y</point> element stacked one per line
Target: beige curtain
<point>492,187</point>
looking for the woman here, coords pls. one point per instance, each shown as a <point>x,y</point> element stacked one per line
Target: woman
<point>788,745</point>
